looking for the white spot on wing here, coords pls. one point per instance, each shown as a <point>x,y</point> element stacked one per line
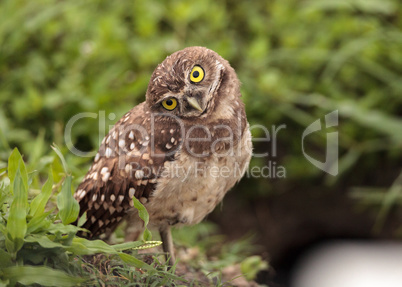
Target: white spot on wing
<point>131,192</point>
<point>105,176</point>
<point>139,174</point>
<point>128,168</point>
<point>81,193</point>
<point>108,152</point>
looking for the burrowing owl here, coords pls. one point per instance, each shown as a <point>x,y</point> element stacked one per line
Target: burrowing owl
<point>178,152</point>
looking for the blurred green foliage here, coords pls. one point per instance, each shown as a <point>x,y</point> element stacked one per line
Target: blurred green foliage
<point>297,60</point>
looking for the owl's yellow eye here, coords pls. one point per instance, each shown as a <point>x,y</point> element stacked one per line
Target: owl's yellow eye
<point>197,74</point>
<point>169,104</point>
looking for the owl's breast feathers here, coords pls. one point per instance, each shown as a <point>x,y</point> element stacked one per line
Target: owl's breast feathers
<point>135,156</point>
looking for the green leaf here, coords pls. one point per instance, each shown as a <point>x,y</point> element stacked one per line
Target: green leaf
<point>82,219</point>
<point>143,213</point>
<point>39,222</point>
<point>61,157</point>
<point>66,203</point>
<point>43,241</point>
<point>62,229</point>
<point>16,223</point>
<point>82,246</point>
<point>6,259</point>
<point>252,265</point>
<point>37,148</point>
<point>129,259</point>
<point>38,204</point>
<point>4,193</point>
<point>15,161</point>
<point>147,235</point>
<point>45,276</point>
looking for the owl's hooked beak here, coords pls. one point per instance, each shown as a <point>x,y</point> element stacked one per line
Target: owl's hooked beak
<point>194,103</point>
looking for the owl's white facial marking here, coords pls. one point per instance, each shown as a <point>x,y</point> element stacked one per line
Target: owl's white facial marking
<point>218,77</point>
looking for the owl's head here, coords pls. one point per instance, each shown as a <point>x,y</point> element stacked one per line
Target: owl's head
<point>193,82</point>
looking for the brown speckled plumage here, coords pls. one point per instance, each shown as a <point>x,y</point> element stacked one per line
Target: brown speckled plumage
<point>141,152</point>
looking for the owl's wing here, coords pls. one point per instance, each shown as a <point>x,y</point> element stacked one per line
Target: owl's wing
<point>129,162</point>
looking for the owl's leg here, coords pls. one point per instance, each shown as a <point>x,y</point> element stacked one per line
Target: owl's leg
<point>134,227</point>
<point>167,244</point>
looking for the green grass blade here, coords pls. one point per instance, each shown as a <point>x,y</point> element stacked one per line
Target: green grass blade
<point>44,276</point>
<point>388,201</point>
<point>67,205</point>
<point>16,223</point>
